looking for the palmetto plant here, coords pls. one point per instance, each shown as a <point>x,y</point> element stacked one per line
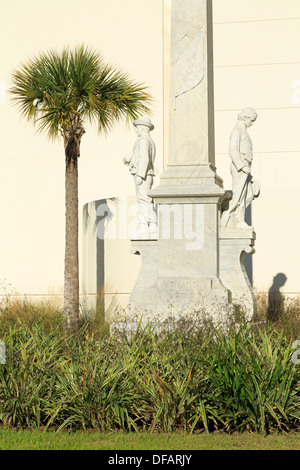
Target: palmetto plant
<point>59,92</point>
<point>244,380</point>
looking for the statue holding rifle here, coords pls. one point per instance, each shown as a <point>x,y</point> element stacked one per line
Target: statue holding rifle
<point>244,187</point>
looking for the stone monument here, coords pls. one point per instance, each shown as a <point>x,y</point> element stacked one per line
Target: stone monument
<point>185,269</point>
<point>180,270</point>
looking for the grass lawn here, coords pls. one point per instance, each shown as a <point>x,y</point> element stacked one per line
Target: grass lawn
<point>38,440</point>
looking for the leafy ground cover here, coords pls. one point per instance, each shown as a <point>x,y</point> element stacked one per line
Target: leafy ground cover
<point>189,379</point>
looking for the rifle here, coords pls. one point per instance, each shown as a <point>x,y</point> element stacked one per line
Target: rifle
<point>226,216</point>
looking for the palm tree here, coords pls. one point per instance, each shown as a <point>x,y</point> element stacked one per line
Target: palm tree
<point>59,92</point>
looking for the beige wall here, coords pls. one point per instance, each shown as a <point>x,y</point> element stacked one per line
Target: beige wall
<point>257,62</point>
<point>129,34</point>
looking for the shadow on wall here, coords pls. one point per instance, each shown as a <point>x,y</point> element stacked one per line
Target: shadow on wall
<point>276,298</point>
<point>103,215</point>
<point>248,263</point>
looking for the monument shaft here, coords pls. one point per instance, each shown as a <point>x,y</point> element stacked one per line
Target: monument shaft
<point>191,152</point>
<point>191,120</point>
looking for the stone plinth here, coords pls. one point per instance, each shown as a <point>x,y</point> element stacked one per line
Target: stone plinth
<point>180,270</point>
<point>144,294</point>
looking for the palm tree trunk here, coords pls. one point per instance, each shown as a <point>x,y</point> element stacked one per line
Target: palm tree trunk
<point>71,282</point>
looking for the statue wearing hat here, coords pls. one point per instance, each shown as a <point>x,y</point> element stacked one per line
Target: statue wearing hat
<point>141,166</point>
<point>244,187</point>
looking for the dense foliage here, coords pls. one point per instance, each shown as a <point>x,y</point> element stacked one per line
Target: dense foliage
<point>197,379</point>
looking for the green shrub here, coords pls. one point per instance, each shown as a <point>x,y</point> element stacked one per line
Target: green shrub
<point>191,379</point>
<point>255,381</point>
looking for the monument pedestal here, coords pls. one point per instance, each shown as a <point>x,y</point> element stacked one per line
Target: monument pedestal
<point>234,244</point>
<point>144,294</point>
<point>194,269</point>
<point>180,275</point>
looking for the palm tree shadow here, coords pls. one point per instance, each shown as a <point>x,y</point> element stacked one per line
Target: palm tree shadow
<point>276,298</point>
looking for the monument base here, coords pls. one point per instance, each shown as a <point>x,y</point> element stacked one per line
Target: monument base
<point>172,291</point>
<point>234,243</point>
<point>172,299</point>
